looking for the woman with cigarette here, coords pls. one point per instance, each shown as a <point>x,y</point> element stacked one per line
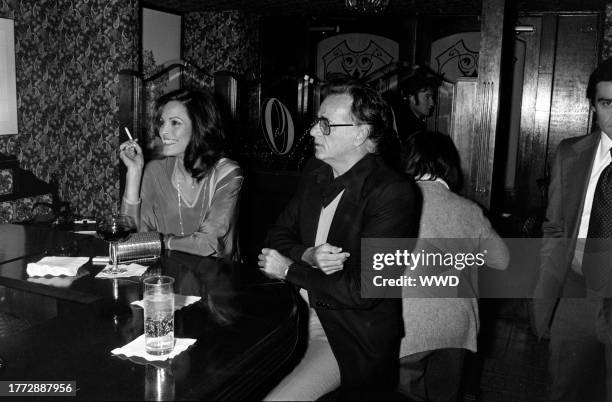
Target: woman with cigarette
<point>190,195</point>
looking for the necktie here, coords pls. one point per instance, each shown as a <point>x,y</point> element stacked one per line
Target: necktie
<point>597,259</point>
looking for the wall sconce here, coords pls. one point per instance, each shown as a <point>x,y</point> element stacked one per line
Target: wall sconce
<point>367,6</point>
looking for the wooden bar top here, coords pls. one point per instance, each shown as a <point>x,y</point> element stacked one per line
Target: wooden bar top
<point>248,328</point>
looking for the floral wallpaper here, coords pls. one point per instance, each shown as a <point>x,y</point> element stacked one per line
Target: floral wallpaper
<point>22,209</point>
<point>606,49</point>
<point>68,55</point>
<point>6,181</point>
<point>226,40</point>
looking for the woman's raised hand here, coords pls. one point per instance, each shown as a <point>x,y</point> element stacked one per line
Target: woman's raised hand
<point>131,155</point>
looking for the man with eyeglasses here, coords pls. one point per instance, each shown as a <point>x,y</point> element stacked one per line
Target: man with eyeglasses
<point>348,194</point>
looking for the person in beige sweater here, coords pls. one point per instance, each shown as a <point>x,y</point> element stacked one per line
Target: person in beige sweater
<point>439,330</point>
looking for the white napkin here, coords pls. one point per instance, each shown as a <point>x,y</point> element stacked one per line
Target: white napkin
<point>57,281</point>
<point>56,266</point>
<point>180,301</point>
<point>137,348</point>
<point>132,270</point>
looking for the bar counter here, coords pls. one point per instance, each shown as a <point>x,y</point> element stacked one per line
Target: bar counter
<point>249,328</point>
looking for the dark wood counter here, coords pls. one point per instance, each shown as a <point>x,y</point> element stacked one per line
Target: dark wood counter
<point>247,328</point>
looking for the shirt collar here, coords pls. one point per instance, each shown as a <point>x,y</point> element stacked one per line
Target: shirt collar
<point>603,150</point>
<point>429,177</point>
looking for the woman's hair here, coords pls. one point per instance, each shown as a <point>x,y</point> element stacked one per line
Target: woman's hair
<point>207,143</point>
<point>432,153</point>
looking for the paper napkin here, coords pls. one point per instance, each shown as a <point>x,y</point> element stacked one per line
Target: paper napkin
<point>58,281</point>
<point>137,348</point>
<point>56,266</point>
<point>180,301</point>
<point>132,270</point>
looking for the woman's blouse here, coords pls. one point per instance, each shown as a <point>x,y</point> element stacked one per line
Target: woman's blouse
<point>206,226</point>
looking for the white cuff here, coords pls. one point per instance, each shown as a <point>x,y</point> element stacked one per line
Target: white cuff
<point>130,202</point>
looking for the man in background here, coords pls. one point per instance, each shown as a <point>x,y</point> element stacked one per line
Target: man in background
<point>418,92</point>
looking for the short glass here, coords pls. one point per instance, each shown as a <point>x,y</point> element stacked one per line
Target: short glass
<point>158,298</point>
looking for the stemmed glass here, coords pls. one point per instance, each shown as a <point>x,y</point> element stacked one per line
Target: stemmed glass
<point>113,229</point>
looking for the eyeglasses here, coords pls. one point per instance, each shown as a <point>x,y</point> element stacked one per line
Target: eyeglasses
<point>325,126</point>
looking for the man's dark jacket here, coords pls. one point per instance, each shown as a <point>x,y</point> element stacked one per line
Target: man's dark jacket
<point>570,172</point>
<point>364,334</point>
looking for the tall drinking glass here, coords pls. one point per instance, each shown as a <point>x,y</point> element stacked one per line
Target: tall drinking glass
<point>113,229</point>
<point>159,314</point>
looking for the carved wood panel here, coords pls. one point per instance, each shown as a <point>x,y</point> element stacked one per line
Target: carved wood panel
<point>489,73</point>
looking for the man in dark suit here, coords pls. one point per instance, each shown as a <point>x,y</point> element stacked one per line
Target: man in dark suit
<point>318,249</point>
<point>569,291</point>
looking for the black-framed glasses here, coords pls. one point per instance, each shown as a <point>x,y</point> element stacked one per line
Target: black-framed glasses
<point>325,126</point>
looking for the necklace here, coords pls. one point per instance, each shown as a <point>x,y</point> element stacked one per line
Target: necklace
<point>178,194</point>
<point>182,176</point>
<point>193,183</point>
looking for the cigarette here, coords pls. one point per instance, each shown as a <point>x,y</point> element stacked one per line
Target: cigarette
<point>128,133</point>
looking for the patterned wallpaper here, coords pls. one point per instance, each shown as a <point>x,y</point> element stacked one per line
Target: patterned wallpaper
<point>606,49</point>
<point>227,40</point>
<point>22,209</point>
<point>68,55</point>
<point>6,181</point>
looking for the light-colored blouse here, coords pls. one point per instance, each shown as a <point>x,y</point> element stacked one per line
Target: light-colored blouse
<point>207,226</point>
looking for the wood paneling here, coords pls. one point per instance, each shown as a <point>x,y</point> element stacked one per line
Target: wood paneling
<point>561,53</point>
<point>535,109</point>
<point>463,125</point>
<point>575,59</point>
<point>489,72</point>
